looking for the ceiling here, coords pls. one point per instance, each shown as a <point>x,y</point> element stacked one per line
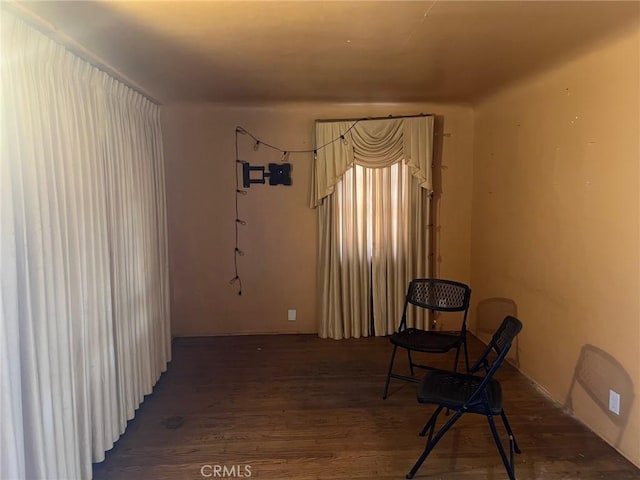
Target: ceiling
<point>391,51</point>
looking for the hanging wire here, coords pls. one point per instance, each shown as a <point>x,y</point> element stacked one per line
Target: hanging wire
<point>285,156</point>
<point>236,250</point>
<point>259,142</point>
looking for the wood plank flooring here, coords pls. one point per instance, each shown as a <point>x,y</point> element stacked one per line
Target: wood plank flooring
<point>296,406</point>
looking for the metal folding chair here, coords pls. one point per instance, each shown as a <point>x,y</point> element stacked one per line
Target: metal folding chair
<point>436,295</point>
<point>470,393</point>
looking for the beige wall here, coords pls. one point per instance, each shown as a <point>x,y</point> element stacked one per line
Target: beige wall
<point>556,218</point>
<point>279,240</point>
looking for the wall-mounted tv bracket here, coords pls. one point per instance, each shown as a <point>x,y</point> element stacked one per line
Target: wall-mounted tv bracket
<point>278,173</point>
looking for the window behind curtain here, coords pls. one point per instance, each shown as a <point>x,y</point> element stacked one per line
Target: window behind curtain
<point>375,216</point>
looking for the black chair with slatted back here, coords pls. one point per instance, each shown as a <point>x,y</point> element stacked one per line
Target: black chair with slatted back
<point>471,393</point>
<point>436,295</point>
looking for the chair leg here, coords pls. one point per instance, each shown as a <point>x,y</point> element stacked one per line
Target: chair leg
<point>512,437</point>
<point>466,354</point>
<point>386,385</point>
<point>507,464</point>
<point>410,363</point>
<point>432,443</point>
<point>455,368</point>
<point>431,423</point>
<point>455,362</point>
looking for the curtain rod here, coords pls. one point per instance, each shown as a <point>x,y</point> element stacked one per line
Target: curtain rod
<point>51,31</point>
<point>374,118</point>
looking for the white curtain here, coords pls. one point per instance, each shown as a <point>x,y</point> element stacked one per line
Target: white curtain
<point>372,190</point>
<point>84,317</point>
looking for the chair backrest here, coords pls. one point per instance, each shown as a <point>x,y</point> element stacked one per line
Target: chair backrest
<point>438,294</point>
<point>500,343</point>
<point>508,330</point>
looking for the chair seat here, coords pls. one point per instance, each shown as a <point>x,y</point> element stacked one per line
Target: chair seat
<point>453,390</point>
<point>425,341</point>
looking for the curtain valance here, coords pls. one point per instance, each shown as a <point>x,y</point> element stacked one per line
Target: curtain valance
<point>373,144</point>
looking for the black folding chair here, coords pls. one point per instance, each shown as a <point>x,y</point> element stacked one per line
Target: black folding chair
<point>468,393</point>
<point>438,295</point>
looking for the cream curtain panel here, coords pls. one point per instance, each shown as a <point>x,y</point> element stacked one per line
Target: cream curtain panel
<point>84,316</point>
<point>372,191</point>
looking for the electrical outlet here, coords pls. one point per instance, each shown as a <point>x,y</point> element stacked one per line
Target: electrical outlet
<point>291,315</point>
<point>614,402</point>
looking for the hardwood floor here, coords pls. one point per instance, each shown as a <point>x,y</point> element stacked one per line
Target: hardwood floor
<point>296,406</point>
